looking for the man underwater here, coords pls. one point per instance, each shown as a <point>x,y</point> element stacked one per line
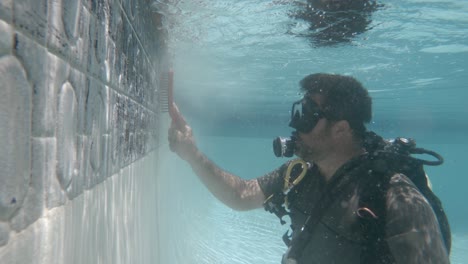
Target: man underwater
<point>328,192</point>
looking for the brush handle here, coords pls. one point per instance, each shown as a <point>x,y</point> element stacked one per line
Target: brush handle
<point>170,95</point>
<point>174,113</point>
<point>177,119</point>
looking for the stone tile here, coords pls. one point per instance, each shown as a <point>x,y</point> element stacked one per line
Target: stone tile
<point>150,85</point>
<point>107,97</point>
<point>152,133</point>
<point>30,17</point>
<point>110,64</point>
<point>97,45</point>
<point>80,82</point>
<point>15,131</point>
<point>125,133</point>
<point>67,123</point>
<point>114,46</point>
<point>86,171</point>
<point>153,86</point>
<point>107,154</point>
<point>68,31</point>
<point>82,170</point>
<point>6,38</point>
<point>131,85</point>
<point>126,60</point>
<point>129,7</point>
<point>35,60</point>
<point>42,167</point>
<point>115,20</point>
<point>4,233</point>
<point>6,10</point>
<point>96,125</point>
<point>116,124</point>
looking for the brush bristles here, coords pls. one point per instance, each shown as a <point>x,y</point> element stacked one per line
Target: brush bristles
<point>164,93</point>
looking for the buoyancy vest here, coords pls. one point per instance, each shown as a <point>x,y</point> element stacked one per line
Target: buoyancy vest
<point>354,189</point>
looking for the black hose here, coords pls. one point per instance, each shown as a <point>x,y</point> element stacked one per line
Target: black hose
<point>437,162</point>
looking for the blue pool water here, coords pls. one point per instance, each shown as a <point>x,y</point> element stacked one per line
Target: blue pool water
<point>237,66</point>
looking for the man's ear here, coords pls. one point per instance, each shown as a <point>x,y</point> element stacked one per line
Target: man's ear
<point>341,127</point>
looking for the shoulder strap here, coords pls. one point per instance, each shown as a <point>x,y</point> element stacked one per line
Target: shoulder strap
<point>372,215</point>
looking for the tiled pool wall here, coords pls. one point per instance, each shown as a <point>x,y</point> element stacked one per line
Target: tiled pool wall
<point>79,118</point>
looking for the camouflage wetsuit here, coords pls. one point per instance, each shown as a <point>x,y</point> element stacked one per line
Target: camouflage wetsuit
<point>411,233</point>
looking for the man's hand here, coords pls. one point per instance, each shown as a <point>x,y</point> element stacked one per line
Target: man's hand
<point>235,192</point>
<point>180,136</point>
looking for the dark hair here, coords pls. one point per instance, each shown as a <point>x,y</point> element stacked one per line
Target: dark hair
<point>344,98</point>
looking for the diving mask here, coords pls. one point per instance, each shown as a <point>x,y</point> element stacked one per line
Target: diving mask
<point>305,115</point>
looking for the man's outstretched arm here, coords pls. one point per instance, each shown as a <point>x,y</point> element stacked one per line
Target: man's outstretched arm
<point>235,192</point>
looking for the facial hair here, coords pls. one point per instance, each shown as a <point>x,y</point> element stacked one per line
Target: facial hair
<point>303,151</point>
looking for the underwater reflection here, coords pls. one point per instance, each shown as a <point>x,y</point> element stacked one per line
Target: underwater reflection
<point>334,21</point>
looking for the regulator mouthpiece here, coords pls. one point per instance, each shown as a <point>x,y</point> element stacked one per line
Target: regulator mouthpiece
<point>284,146</point>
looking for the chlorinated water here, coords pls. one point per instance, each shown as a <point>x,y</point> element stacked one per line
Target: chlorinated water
<point>237,67</point>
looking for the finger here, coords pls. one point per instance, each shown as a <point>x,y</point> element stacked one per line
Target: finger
<point>174,138</point>
<point>188,131</point>
<point>177,117</point>
<point>172,132</point>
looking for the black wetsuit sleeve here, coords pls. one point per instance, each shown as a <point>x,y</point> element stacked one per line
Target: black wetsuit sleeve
<point>412,230</point>
<point>272,182</point>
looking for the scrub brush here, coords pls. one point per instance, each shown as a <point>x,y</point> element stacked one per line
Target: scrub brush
<point>166,97</point>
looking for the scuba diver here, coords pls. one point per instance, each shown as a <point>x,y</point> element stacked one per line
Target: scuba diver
<point>352,196</point>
